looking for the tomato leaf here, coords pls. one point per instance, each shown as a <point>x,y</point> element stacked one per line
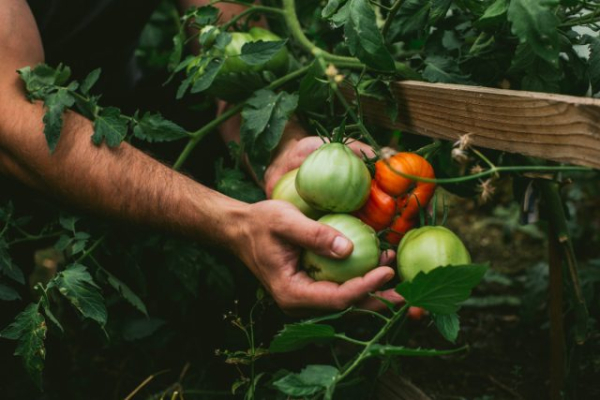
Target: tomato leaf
<point>535,22</point>
<point>494,13</point>
<point>56,103</point>
<point>29,329</point>
<point>8,294</point>
<point>594,62</point>
<point>109,126</point>
<point>233,183</point>
<point>297,336</point>
<point>448,325</point>
<point>384,350</point>
<point>7,267</point>
<point>311,380</point>
<point>90,81</point>
<point>76,285</point>
<point>443,69</point>
<point>331,7</point>
<point>364,38</point>
<point>259,52</point>
<point>313,91</point>
<point>209,74</point>
<point>443,289</point>
<point>126,292</point>
<point>153,128</point>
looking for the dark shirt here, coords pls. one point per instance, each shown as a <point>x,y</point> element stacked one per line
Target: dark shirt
<point>87,34</point>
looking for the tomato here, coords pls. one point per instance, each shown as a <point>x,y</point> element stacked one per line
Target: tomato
<point>285,189</point>
<point>364,257</point>
<point>416,313</point>
<point>237,80</point>
<point>395,201</point>
<point>333,178</point>
<point>427,248</point>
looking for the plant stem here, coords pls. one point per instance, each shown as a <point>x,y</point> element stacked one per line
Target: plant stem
<point>350,340</point>
<point>364,354</point>
<point>390,17</point>
<point>31,238</point>
<point>198,135</point>
<point>90,250</point>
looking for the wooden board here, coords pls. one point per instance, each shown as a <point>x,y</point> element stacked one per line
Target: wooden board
<point>554,127</point>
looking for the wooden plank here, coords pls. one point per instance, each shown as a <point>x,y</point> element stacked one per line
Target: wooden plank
<point>553,127</point>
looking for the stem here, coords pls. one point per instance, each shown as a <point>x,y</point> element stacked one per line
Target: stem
<point>364,354</point>
<point>198,135</point>
<point>90,250</point>
<point>350,340</point>
<point>31,238</point>
<point>391,15</point>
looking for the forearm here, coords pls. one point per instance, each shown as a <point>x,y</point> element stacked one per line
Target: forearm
<point>122,183</point>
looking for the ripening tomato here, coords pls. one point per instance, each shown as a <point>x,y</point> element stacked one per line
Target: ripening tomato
<point>427,248</point>
<point>364,257</point>
<point>285,189</point>
<point>333,178</point>
<point>395,201</point>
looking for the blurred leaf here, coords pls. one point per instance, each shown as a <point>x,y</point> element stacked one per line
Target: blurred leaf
<point>8,294</point>
<point>296,336</point>
<point>90,81</point>
<point>444,70</point>
<point>383,350</point>
<point>495,13</point>
<point>29,329</point>
<point>126,292</point>
<point>594,62</point>
<point>7,267</point>
<point>443,289</point>
<point>448,325</point>
<point>311,380</point>
<point>136,329</point>
<point>233,183</point>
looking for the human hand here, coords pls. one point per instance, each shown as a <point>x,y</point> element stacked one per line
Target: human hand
<point>269,241</point>
<point>294,152</point>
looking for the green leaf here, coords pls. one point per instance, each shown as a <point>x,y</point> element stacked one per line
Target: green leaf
<point>153,128</point>
<point>7,267</point>
<point>444,70</point>
<point>203,81</point>
<point>443,289</point>
<point>263,120</point>
<point>42,79</point>
<point>313,92</point>
<point>183,259</point>
<point>29,329</point>
<point>448,325</point>
<point>206,15</point>
<point>137,329</point>
<point>594,61</point>
<point>340,18</point>
<point>233,183</point>
<point>412,17</point>
<point>260,52</point>
<point>77,285</point>
<point>126,292</point>
<point>110,126</point>
<point>384,350</point>
<point>55,104</point>
<point>311,380</point>
<point>364,38</point>
<point>494,13</point>
<point>8,294</point>
<point>535,22</point>
<point>331,7</point>
<point>296,336</point>
<point>90,81</point>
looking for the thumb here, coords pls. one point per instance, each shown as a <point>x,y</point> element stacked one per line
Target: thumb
<point>312,235</point>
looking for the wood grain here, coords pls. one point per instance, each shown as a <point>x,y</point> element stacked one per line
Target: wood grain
<point>553,127</point>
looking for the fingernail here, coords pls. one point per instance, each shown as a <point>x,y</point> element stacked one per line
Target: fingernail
<point>340,246</point>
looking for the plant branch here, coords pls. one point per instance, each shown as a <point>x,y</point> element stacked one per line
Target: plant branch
<point>390,17</point>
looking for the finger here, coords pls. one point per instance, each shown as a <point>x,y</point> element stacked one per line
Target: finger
<point>359,148</point>
<point>322,239</point>
<point>374,304</point>
<point>387,257</point>
<point>306,293</point>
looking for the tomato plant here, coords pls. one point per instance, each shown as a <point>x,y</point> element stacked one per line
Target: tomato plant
<point>395,201</point>
<point>364,257</point>
<point>429,247</point>
<point>333,178</point>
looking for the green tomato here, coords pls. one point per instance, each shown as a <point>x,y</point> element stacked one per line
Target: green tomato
<point>427,248</point>
<point>364,257</point>
<point>285,189</point>
<point>334,179</point>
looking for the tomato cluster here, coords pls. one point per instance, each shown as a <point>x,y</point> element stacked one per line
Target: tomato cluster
<point>395,201</point>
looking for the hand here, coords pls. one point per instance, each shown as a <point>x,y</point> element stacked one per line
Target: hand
<point>271,237</point>
<point>294,152</point>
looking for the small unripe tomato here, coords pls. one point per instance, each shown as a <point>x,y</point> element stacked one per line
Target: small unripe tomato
<point>427,248</point>
<point>364,257</point>
<point>285,189</point>
<point>333,178</point>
